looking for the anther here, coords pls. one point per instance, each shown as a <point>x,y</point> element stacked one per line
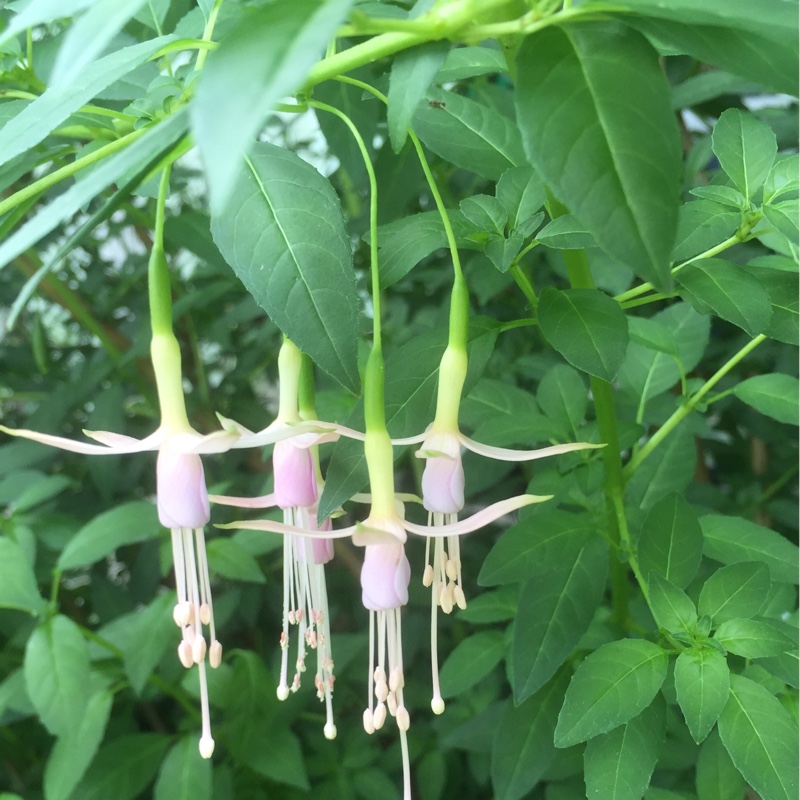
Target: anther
<point>379,716</point>
<point>369,725</point>
<point>205,614</point>
<point>330,731</point>
<point>403,720</point>
<point>185,654</point>
<point>206,746</point>
<point>199,649</point>
<point>427,576</point>
<point>215,654</point>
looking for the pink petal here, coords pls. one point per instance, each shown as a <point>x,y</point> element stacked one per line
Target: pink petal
<point>181,490</point>
<point>127,444</point>
<point>295,475</point>
<point>443,485</point>
<point>480,519</point>
<point>64,444</point>
<point>385,575</point>
<point>504,454</point>
<point>267,501</point>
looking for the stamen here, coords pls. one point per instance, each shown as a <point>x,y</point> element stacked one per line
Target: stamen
<point>206,742</point>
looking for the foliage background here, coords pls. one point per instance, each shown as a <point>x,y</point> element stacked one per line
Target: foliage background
<point>93,702</point>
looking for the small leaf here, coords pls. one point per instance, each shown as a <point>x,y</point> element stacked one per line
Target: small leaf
<point>230,559</point>
<point>735,591</point>
<point>776,395</point>
<point>185,774</point>
<point>563,396</point>
<point>261,60</point>
<point>702,679</point>
<point>555,610</point>
<point>717,778</point>
<point>521,192</point>
<point>611,686</point>
<point>703,224</point>
<point>471,661</point>
<point>587,327</point>
<point>410,77</point>
<point>18,587</point>
<point>724,195</point>
<point>469,62</point>
<point>745,147</point>
<point>71,755</point>
<point>731,292</point>
<point>761,738</point>
<point>751,638</point>
<point>733,539</point>
<point>782,288</point>
<point>565,233</point>
<point>584,137</point>
<point>523,745</point>
<point>468,134</point>
<point>502,252</point>
<point>618,764</point>
<point>129,523</point>
<point>671,542</point>
<point>783,177</point>
<point>672,608</point>
<point>56,668</point>
<point>283,234</point>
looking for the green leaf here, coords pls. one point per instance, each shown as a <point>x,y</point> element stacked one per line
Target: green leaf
<point>129,523</point>
<point>776,395</point>
<point>56,668</point>
<point>469,62</point>
<point>671,542</point>
<point>283,234</point>
<point>725,195</point>
<point>738,590</point>
<point>703,224</point>
<point>261,60</point>
<point>702,679</point>
<point>49,110</point>
<point>123,768</point>
<point>618,764</point>
<point>761,739</point>
<point>89,36</point>
<point>497,606</point>
<point>535,545</point>
<point>137,156</point>
<point>18,588</point>
<point>783,216</point>
<point>185,774</point>
<point>611,686</point>
<point>745,148</point>
<point>751,638</point>
<point>521,192</point>
<point>782,288</point>
<point>670,471</point>
<point>672,608</point>
<point>523,745</point>
<point>587,327</point>
<point>555,610</point>
<point>71,755</point>
<point>502,252</point>
<point>486,213</point>
<point>783,178</point>
<point>563,396</point>
<point>468,134</point>
<point>471,661</point>
<point>732,539</point>
<point>565,233</point>
<point>411,75</point>
<point>38,11</point>
<point>717,778</point>
<point>731,292</point>
<point>230,559</point>
<point>584,137</point>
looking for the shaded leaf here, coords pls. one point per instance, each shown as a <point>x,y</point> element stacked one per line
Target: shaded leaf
<point>18,587</point>
<point>776,395</point>
<point>471,661</point>
<point>702,679</point>
<point>185,774</point>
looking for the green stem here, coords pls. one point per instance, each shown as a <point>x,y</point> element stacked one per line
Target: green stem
<point>690,405</point>
<point>518,323</point>
<point>37,187</point>
<point>158,282</point>
<point>525,285</point>
<point>208,32</point>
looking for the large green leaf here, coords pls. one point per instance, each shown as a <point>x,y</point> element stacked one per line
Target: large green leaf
<point>468,62</point>
<point>535,545</point>
<point>745,147</point>
<point>39,11</point>
<point>555,609</point>
<point>229,558</point>
<point>752,638</point>
<point>49,110</point>
<point>283,234</point>
<point>611,686</point>
<point>469,134</point>
<point>18,587</point>
<point>733,539</point>
<point>185,774</point>
<point>564,397</point>
<point>717,778</point>
<point>471,661</point>
<point>124,767</point>
<point>584,137</point>
<point>264,58</point>
<point>145,151</point>
<point>56,669</point>
<point>671,542</point>
<point>618,764</point>
<point>587,327</point>
<point>702,679</point>
<point>729,291</point>
<point>71,755</point>
<point>776,395</point>
<point>761,738</point>
<point>412,73</point>
<point>738,590</point>
<point>523,745</point>
<point>128,523</point>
